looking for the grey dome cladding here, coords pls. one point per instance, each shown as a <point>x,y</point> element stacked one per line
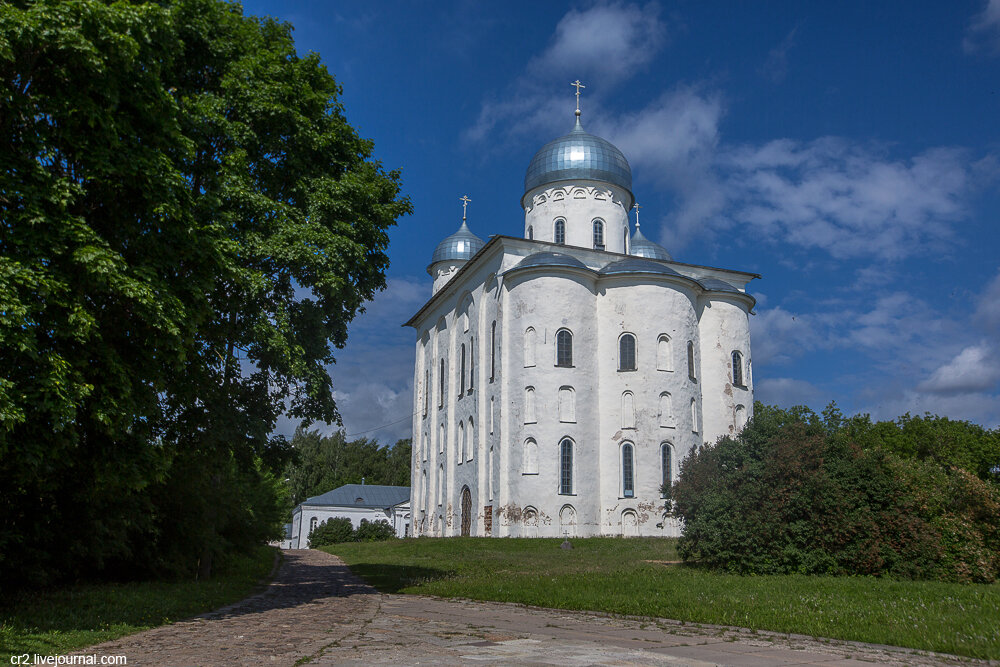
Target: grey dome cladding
<point>716,285</point>
<point>549,259</point>
<point>640,246</point>
<point>461,245</point>
<point>637,265</point>
<point>579,156</point>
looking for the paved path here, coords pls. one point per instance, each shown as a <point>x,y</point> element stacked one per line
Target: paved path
<point>316,611</point>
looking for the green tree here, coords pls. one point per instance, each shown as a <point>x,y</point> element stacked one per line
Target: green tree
<point>323,463</point>
<point>189,226</point>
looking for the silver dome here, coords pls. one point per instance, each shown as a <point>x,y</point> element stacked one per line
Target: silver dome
<point>461,245</point>
<point>640,246</point>
<point>579,156</point>
<point>549,259</point>
<point>637,265</point>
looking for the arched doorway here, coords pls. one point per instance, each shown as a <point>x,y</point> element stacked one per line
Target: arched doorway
<point>630,524</point>
<point>466,512</point>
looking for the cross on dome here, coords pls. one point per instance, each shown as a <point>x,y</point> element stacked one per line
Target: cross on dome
<point>576,84</point>
<point>465,202</point>
<point>636,207</point>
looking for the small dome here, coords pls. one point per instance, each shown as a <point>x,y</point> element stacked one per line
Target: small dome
<point>579,156</point>
<point>716,285</point>
<point>549,259</point>
<point>637,265</point>
<point>640,246</point>
<point>461,245</point>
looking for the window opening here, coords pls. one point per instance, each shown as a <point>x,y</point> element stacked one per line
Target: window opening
<point>626,353</point>
<point>737,368</point>
<point>560,235</point>
<point>628,477</point>
<point>566,467</point>
<point>493,351</point>
<point>691,360</point>
<point>461,386</point>
<point>666,463</point>
<point>564,348</point>
<point>599,234</point>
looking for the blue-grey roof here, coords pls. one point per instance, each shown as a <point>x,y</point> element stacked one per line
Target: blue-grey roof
<point>579,155</point>
<point>637,265</point>
<point>550,259</point>
<point>640,246</point>
<point>463,244</point>
<point>362,495</point>
<point>716,285</point>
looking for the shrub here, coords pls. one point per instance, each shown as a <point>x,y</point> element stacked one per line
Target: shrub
<point>374,531</point>
<point>796,494</point>
<point>333,531</point>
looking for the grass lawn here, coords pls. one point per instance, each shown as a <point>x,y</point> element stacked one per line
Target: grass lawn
<point>56,621</point>
<point>634,576</point>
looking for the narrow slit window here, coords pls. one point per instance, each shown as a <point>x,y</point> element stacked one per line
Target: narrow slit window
<point>461,386</point>
<point>666,467</point>
<point>628,473</point>
<point>472,363</point>
<point>566,467</point>
<point>493,351</point>
<point>737,368</point>
<point>664,356</point>
<point>441,385</point>
<point>560,232</point>
<point>529,347</point>
<point>531,233</point>
<point>691,373</point>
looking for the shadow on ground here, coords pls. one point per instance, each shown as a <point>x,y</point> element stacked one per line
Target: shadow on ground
<point>394,578</point>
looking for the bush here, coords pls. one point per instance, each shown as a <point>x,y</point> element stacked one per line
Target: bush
<point>339,530</point>
<point>333,531</point>
<point>795,494</point>
<point>374,531</point>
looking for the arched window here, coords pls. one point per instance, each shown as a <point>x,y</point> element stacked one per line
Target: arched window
<point>441,439</point>
<point>440,482</point>
<point>529,405</point>
<point>664,355</point>
<point>560,232</point>
<point>564,348</point>
<point>493,351</point>
<point>737,368</point>
<point>493,416</point>
<point>531,233</point>
<point>529,347</point>
<point>666,411</point>
<point>441,385</point>
<point>741,417</point>
<point>599,234</point>
<point>626,352</point>
<point>489,474</point>
<point>470,436</point>
<point>567,405</point>
<point>461,386</point>
<point>566,467</point>
<point>472,363</point>
<point>691,360</point>
<point>694,416</point>
<point>666,468</point>
<point>628,472</point>
<point>461,442</point>
<point>312,524</point>
<point>628,410</point>
<point>529,462</point>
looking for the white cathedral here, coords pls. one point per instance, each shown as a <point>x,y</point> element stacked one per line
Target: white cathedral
<point>562,376</point>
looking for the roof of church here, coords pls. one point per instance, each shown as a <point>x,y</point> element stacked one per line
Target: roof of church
<point>716,285</point>
<point>549,259</point>
<point>462,245</point>
<point>362,495</point>
<point>638,265</point>
<point>640,246</point>
<point>579,155</point>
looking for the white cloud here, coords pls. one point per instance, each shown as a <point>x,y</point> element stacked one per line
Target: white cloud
<point>775,68</point>
<point>984,30</point>
<point>779,336</point>
<point>976,368</point>
<point>988,309</point>
<point>845,199</point>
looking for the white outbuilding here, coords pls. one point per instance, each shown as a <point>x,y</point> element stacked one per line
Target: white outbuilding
<point>562,376</point>
<point>373,502</point>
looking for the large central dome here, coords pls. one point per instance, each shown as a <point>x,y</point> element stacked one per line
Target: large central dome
<point>579,156</point>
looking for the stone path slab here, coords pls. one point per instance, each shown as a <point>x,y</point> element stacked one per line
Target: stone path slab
<point>316,612</point>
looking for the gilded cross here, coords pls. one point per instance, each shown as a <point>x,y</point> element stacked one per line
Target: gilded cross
<point>576,84</point>
<point>465,202</point>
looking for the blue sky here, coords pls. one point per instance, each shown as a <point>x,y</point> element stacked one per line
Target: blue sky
<point>848,152</point>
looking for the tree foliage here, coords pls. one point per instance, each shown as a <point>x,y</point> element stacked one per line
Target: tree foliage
<point>794,492</point>
<point>323,463</point>
<point>189,226</point>
<point>339,530</point>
